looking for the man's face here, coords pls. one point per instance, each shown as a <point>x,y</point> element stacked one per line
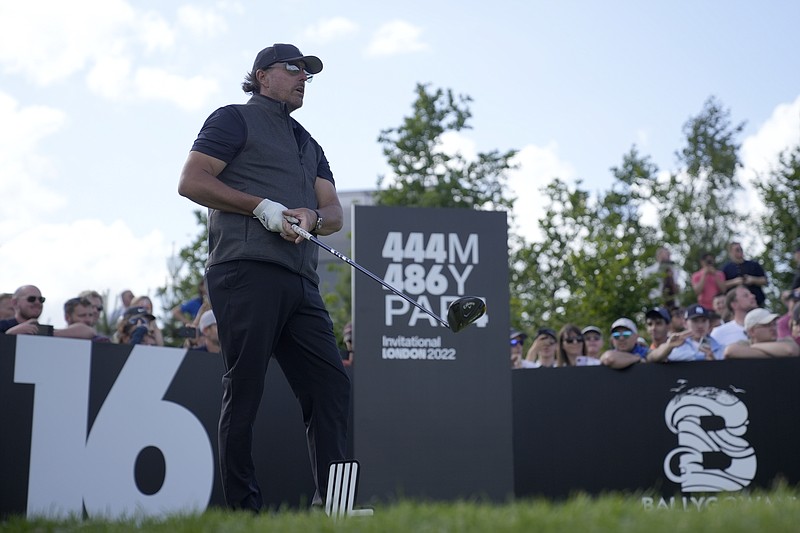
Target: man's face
<point>657,328</point>
<point>699,327</point>
<point>764,332</point>
<point>594,343</point>
<point>623,339</point>
<point>516,346</point>
<point>719,304</point>
<point>29,303</point>
<point>6,309</point>
<point>97,308</point>
<point>284,85</point>
<point>745,300</point>
<point>82,314</point>
<point>736,253</point>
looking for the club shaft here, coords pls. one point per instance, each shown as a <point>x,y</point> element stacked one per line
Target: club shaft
<point>308,236</point>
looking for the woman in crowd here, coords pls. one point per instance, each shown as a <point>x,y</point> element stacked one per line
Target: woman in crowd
<point>593,340</point>
<point>571,347</point>
<point>137,327</point>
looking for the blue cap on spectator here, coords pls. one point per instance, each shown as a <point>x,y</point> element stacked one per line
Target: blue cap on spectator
<point>659,312</point>
<point>694,311</point>
<point>517,333</point>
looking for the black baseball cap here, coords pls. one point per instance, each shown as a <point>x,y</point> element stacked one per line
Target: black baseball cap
<point>283,53</point>
<point>547,331</point>
<point>137,311</point>
<point>659,312</point>
<point>694,311</point>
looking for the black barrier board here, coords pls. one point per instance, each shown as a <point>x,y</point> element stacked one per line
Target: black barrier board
<point>113,429</point>
<point>695,428</point>
<point>432,407</point>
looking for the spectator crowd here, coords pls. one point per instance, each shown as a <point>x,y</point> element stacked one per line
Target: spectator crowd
<point>133,322</point>
<point>727,320</point>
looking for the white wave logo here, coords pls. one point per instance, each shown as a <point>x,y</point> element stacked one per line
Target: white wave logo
<point>711,455</point>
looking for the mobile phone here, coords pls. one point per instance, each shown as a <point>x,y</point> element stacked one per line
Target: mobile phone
<point>45,330</point>
<point>187,332</point>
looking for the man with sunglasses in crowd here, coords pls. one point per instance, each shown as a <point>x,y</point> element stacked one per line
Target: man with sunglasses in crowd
<point>517,339</point>
<point>258,171</point>
<point>28,305</point>
<point>627,348</point>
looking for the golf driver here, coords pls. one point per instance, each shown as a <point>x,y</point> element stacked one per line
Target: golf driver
<point>460,314</point>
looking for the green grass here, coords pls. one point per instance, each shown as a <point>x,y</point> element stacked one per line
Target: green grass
<point>774,511</point>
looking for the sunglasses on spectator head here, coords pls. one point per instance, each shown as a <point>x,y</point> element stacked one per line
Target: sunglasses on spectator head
<point>622,334</point>
<point>32,299</point>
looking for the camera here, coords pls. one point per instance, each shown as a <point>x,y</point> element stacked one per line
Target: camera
<point>187,332</point>
<point>45,330</point>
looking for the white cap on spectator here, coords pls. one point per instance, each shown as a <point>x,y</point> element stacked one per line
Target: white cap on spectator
<point>626,323</point>
<point>758,316</point>
<point>207,319</point>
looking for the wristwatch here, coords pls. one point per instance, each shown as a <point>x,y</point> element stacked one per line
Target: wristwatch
<point>318,225</point>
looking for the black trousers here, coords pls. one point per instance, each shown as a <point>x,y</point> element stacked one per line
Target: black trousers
<point>264,309</point>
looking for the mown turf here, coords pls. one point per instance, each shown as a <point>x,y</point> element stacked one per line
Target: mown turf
<point>774,511</point>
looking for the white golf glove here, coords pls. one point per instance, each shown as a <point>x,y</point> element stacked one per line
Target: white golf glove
<point>270,214</point>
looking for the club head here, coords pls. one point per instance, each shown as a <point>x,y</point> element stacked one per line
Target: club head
<point>464,312</point>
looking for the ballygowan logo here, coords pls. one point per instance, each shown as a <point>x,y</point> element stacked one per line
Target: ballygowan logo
<point>712,454</point>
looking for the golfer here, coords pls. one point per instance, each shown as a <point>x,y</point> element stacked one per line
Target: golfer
<point>254,166</point>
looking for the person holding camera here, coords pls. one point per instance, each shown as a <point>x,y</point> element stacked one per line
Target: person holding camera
<point>28,304</point>
<point>708,281</point>
<point>137,326</point>
<point>670,279</point>
<point>694,344</point>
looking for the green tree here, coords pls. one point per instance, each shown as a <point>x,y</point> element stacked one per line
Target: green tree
<point>696,206</point>
<point>779,190</point>
<point>423,175</point>
<point>186,270</point>
<point>586,269</point>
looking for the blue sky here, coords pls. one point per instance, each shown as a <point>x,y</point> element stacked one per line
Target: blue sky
<point>100,101</point>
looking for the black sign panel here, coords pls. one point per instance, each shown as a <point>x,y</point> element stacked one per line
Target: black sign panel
<point>115,430</point>
<point>696,427</point>
<point>432,407</point>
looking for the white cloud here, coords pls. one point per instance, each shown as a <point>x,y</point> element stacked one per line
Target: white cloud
<point>50,40</point>
<point>328,30</point>
<point>23,186</point>
<point>396,37</point>
<point>453,142</point>
<point>201,21</point>
<point>538,166</point>
<point>158,84</point>
<point>760,153</point>
<point>62,261</point>
<point>781,131</point>
<point>155,32</point>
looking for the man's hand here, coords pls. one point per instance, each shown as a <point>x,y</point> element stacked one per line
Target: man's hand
<point>270,214</point>
<point>29,327</point>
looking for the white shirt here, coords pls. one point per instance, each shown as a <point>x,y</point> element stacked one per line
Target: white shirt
<point>728,333</point>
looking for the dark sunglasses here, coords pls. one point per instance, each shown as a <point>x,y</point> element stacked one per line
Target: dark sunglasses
<point>295,70</point>
<point>573,340</point>
<point>622,334</point>
<point>138,320</point>
<point>32,299</point>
